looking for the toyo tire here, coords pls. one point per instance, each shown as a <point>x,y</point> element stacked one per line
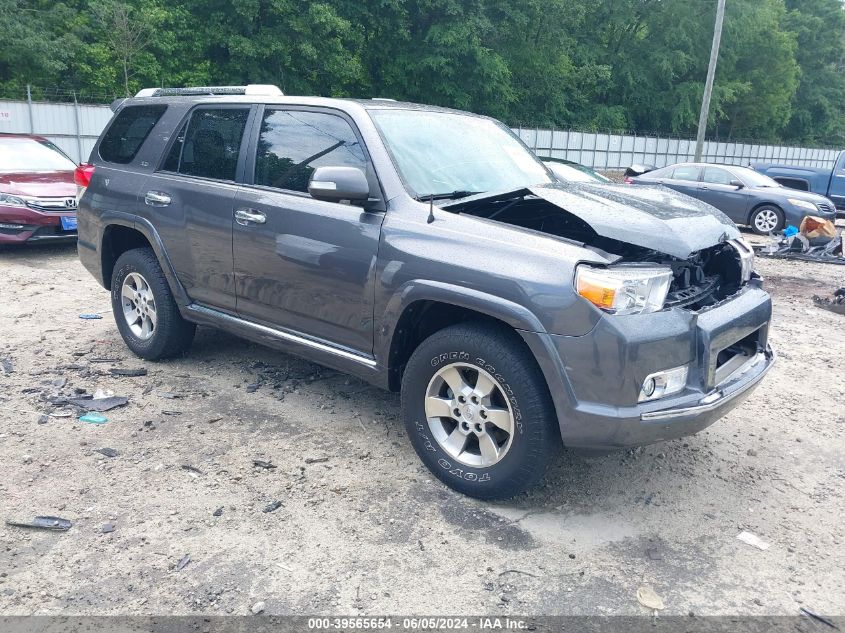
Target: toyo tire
<point>478,411</point>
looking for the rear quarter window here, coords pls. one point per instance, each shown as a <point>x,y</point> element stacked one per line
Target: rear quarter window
<point>128,132</point>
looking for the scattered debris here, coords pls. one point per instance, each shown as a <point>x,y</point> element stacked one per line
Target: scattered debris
<point>820,618</point>
<point>7,366</point>
<point>90,316</point>
<point>654,554</point>
<point>218,512</point>
<point>260,463</point>
<point>257,608</point>
<point>108,452</point>
<point>168,395</point>
<point>272,507</point>
<point>99,404</point>
<point>316,460</point>
<point>517,571</point>
<point>647,597</point>
<point>192,469</point>
<point>128,373</point>
<point>753,539</point>
<point>183,562</point>
<point>836,304</point>
<point>44,523</point>
<point>817,240</point>
<point>173,413</point>
<point>106,528</point>
<point>93,418</point>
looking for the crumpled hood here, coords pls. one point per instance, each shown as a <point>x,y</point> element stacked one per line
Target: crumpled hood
<point>651,217</point>
<point>46,184</point>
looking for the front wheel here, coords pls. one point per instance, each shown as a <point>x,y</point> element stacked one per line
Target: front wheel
<point>767,219</point>
<point>478,412</point>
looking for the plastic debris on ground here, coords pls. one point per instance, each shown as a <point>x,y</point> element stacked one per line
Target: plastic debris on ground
<point>816,240</point>
<point>647,597</point>
<point>90,316</point>
<point>128,373</point>
<point>99,404</point>
<point>43,523</point>
<point>93,418</point>
<point>836,304</point>
<point>753,540</point>
<point>183,562</point>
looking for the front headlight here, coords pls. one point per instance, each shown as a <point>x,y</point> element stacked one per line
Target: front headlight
<point>11,201</point>
<point>624,289</point>
<point>803,204</point>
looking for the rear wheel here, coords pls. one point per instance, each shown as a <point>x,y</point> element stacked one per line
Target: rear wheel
<point>766,219</point>
<point>478,411</point>
<point>144,309</point>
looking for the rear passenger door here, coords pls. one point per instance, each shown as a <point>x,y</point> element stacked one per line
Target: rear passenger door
<point>684,178</point>
<point>716,189</point>
<point>306,265</point>
<point>190,199</point>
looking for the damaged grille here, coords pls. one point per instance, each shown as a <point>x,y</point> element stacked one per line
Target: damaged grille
<point>705,278</point>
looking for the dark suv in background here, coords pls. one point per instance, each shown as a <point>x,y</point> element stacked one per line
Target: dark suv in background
<point>429,251</point>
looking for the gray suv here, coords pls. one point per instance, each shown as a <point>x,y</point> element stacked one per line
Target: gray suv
<point>427,251</point>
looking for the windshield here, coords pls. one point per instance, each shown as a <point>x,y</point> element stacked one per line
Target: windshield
<point>29,154</point>
<point>441,153</point>
<point>754,179</point>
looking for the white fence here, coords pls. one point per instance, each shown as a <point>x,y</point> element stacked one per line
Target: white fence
<point>618,151</point>
<point>75,128</point>
<point>72,127</point>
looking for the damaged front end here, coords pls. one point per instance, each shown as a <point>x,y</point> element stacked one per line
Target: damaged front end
<point>665,249</point>
<point>695,342</point>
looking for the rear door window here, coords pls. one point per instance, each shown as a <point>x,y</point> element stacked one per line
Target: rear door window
<point>209,143</point>
<point>127,133</point>
<point>686,172</point>
<point>293,143</point>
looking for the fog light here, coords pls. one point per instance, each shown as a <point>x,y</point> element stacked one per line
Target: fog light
<point>10,226</point>
<point>664,383</point>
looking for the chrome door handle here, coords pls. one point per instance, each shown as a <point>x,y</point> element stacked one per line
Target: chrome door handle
<point>157,199</point>
<point>246,216</point>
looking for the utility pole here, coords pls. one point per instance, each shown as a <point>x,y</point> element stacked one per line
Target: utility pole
<point>708,85</point>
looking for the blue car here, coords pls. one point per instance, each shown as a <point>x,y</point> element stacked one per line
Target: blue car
<point>744,195</point>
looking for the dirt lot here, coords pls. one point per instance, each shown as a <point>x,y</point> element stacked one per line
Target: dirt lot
<point>362,527</point>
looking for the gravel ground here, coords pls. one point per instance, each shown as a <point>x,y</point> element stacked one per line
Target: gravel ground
<point>176,522</point>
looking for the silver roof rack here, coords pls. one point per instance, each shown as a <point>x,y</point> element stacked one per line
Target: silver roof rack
<point>251,89</point>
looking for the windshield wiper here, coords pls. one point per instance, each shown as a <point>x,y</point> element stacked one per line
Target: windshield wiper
<point>452,195</point>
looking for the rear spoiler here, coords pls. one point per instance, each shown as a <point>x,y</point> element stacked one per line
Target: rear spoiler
<point>115,105</point>
<point>639,170</point>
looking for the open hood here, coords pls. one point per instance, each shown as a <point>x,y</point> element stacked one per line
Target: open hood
<point>650,217</point>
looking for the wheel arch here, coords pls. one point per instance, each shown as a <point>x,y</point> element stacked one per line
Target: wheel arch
<point>421,308</point>
<point>121,234</point>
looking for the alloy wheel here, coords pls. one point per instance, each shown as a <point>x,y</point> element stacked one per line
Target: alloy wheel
<point>766,220</point>
<point>139,306</point>
<point>469,415</point>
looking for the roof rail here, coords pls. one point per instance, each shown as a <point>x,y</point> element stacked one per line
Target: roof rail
<point>251,89</point>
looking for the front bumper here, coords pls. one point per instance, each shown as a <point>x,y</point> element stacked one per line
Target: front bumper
<point>19,225</point>
<point>599,375</point>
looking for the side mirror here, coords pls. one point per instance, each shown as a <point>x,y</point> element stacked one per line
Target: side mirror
<point>334,184</point>
<point>737,183</point>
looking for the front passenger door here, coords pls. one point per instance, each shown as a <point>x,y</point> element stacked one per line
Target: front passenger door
<point>303,264</point>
